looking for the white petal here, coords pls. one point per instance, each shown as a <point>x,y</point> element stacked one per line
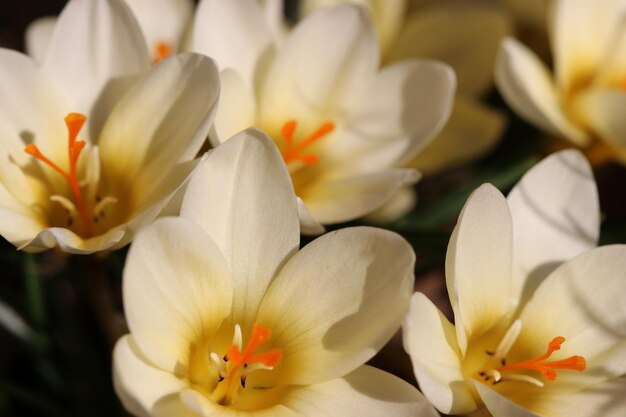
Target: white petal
<point>317,73</point>
<point>526,85</point>
<point>399,205</point>
<point>70,242</point>
<point>242,196</point>
<point>602,111</point>
<point>556,216</point>
<point>406,107</point>
<point>94,44</point>
<point>234,33</point>
<point>472,131</point>
<point>478,264</point>
<point>33,115</point>
<point>176,290</point>
<point>237,108</point>
<point>19,223</point>
<point>144,389</point>
<point>163,120</point>
<point>162,21</point>
<point>583,301</point>
<point>366,392</point>
<point>606,400</point>
<point>343,199</point>
<point>465,36</point>
<point>430,340</point>
<point>499,405</point>
<point>308,225</point>
<point>38,34</point>
<point>354,281</point>
<point>582,35</point>
<point>203,407</point>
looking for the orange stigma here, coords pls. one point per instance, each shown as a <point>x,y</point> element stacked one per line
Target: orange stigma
<point>74,122</point>
<point>548,368</point>
<point>161,51</point>
<point>295,152</point>
<point>260,334</point>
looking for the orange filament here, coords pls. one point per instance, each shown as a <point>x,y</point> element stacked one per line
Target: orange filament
<point>161,51</point>
<point>295,152</point>
<point>74,123</point>
<point>548,368</point>
<point>260,334</point>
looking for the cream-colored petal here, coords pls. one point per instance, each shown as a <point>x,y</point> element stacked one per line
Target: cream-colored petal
<point>19,223</point>
<point>606,400</point>
<point>343,199</point>
<point>34,114</point>
<point>161,121</point>
<point>308,225</point>
<point>237,108</point>
<point>234,33</point>
<point>70,242</point>
<point>317,74</point>
<point>162,21</point>
<point>242,196</point>
<point>399,205</point>
<point>430,340</point>
<point>366,391</point>
<point>94,44</point>
<point>611,72</point>
<point>354,282</point>
<point>583,301</point>
<point>556,216</point>
<point>144,389</point>
<point>472,131</point>
<point>38,34</point>
<point>177,289</point>
<point>478,264</point>
<point>465,36</point>
<point>527,86</point>
<point>405,108</point>
<point>582,34</point>
<point>602,110</point>
<point>501,406</point>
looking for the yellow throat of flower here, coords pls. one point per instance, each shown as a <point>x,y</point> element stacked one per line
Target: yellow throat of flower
<point>295,152</point>
<point>235,366</point>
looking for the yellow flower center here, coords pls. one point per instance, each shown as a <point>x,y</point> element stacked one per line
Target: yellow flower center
<point>88,208</point>
<point>295,152</point>
<point>239,363</point>
<point>503,371</point>
<point>161,51</point>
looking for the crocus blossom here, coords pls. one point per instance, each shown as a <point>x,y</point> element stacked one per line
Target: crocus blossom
<point>583,100</point>
<point>94,141</point>
<point>164,24</point>
<point>343,126</point>
<point>539,312</point>
<point>227,317</point>
<point>464,35</point>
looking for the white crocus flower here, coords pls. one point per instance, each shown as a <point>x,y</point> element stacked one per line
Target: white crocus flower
<point>539,312</point>
<point>94,142</point>
<point>164,24</point>
<point>584,100</point>
<point>342,125</point>
<point>464,35</point>
<point>228,318</point>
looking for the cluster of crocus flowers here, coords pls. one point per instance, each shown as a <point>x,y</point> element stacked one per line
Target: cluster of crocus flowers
<point>93,152</point>
<point>344,126</point>
<point>227,317</point>
<point>538,310</point>
<point>583,101</point>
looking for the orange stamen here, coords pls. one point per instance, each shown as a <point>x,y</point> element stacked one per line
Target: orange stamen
<point>74,123</point>
<point>548,368</point>
<point>294,152</point>
<point>161,51</point>
<point>260,334</point>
